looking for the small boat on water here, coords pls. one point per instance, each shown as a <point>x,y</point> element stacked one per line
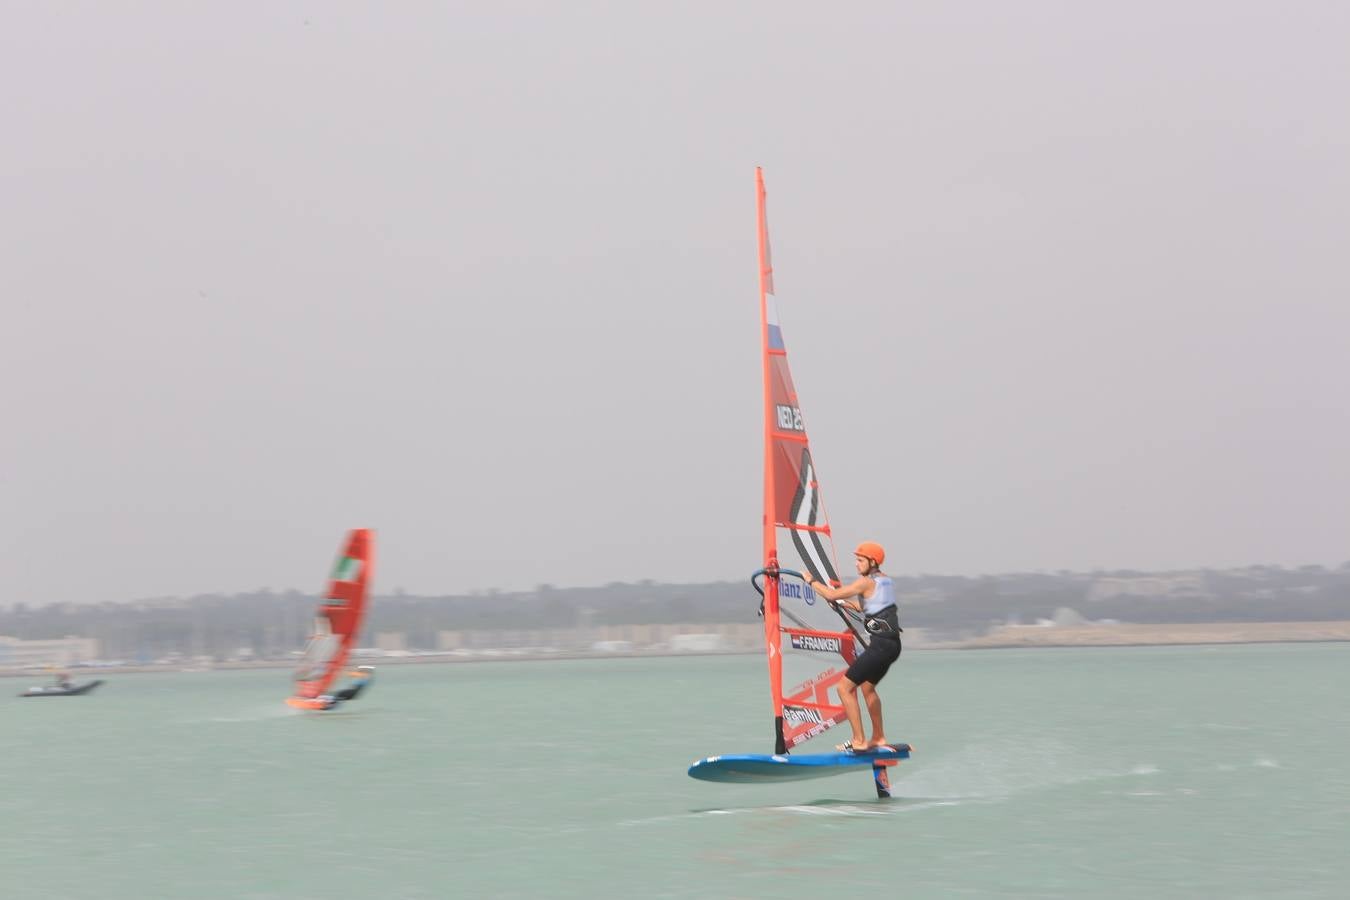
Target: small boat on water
<point>62,689</point>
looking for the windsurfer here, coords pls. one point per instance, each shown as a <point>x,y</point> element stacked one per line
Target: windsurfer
<point>336,626</point>
<point>362,674</point>
<point>873,595</point>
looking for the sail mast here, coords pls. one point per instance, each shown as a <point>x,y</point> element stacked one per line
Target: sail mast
<point>772,634</point>
<point>765,289</point>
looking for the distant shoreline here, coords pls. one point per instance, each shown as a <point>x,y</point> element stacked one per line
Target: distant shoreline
<point>1134,635</point>
<point>1008,637</point>
<point>83,673</point>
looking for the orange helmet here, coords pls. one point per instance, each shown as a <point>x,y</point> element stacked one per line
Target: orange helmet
<point>871,550</point>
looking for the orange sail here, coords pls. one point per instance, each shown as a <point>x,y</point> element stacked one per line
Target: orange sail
<point>337,623</point>
<point>809,643</point>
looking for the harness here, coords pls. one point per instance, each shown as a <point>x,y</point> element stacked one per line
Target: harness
<point>886,622</point>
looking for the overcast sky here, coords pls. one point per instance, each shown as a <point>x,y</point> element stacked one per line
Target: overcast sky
<point>1064,285</point>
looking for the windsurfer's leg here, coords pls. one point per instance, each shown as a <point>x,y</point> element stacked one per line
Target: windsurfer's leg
<point>848,698</point>
<point>868,670</point>
<point>873,701</point>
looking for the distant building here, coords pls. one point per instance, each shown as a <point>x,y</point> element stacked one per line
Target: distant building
<point>1192,586</point>
<point>1065,617</point>
<point>64,651</point>
<point>698,643</point>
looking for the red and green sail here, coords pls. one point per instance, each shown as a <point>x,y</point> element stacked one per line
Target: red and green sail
<point>338,621</point>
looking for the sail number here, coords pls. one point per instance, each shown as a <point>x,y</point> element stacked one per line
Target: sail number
<point>797,716</point>
<point>789,418</point>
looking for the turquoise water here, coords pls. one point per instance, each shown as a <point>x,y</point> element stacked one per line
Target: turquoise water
<point>1131,772</point>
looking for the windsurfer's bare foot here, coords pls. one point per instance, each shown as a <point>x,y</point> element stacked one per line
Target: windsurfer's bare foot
<point>878,743</point>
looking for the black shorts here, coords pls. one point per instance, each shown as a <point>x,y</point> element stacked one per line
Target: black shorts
<point>874,662</point>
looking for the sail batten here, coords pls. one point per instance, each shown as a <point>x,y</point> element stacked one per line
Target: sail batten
<point>793,526</point>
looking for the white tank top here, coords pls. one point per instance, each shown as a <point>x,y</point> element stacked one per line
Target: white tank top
<point>882,597</point>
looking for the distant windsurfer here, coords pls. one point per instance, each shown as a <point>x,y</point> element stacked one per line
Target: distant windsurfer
<point>873,595</point>
<point>362,674</point>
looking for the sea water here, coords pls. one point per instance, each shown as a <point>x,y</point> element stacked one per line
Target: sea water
<point>1122,772</point>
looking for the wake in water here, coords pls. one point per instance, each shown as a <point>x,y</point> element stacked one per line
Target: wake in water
<point>826,808</point>
<point>273,712</point>
<point>270,712</point>
<point>840,808</point>
<point>997,769</point>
